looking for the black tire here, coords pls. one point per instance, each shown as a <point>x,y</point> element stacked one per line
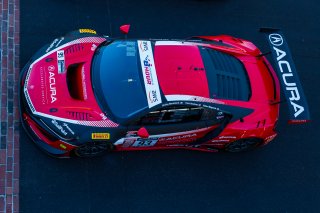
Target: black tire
<point>93,149</point>
<point>243,145</point>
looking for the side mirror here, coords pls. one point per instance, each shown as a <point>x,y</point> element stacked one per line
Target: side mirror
<point>125,29</point>
<point>143,133</point>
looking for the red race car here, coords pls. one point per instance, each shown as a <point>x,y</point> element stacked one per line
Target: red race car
<point>86,94</point>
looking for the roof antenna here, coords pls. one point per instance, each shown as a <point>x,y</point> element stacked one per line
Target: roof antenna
<point>125,29</point>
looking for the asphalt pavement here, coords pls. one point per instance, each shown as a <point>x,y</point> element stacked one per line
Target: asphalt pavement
<point>281,177</point>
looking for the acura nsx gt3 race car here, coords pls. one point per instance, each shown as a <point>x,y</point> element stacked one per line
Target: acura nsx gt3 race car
<point>86,94</point>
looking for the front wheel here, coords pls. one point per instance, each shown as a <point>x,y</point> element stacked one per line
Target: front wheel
<point>92,149</point>
<point>243,145</point>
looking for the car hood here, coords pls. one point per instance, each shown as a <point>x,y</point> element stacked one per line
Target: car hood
<point>58,83</point>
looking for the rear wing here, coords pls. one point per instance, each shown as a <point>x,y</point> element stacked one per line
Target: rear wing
<point>288,76</point>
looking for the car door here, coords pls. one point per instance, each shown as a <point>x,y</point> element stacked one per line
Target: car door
<point>174,125</point>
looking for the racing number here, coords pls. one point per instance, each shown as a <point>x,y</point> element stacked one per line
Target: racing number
<point>61,63</point>
<point>60,54</point>
<point>145,142</point>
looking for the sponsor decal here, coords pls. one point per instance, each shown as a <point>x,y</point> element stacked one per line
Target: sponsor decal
<point>192,98</point>
<point>58,126</point>
<point>270,138</point>
<point>29,101</point>
<point>147,70</point>
<point>87,31</point>
<point>84,86</point>
<point>276,39</point>
<point>143,46</point>
<point>51,68</point>
<point>68,128</point>
<point>100,136</point>
<point>220,140</point>
<point>153,96</point>
<point>52,45</point>
<point>216,144</point>
<point>227,137</point>
<point>53,89</point>
<point>288,77</point>
<point>219,117</point>
<point>62,146</point>
<point>27,77</point>
<point>179,138</point>
<point>178,145</point>
<point>172,103</point>
<point>61,61</point>
<point>193,104</point>
<point>59,41</point>
<point>56,42</point>
<point>103,116</point>
<point>149,73</point>
<point>44,98</point>
<point>211,107</point>
<point>298,121</point>
<point>93,47</point>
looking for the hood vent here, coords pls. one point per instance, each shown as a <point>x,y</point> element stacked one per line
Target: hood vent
<point>75,81</point>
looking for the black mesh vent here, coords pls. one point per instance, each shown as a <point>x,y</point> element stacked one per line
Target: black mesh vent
<point>79,115</point>
<point>228,87</point>
<point>227,77</point>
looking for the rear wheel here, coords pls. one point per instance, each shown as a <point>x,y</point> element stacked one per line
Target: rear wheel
<point>92,149</point>
<point>242,145</point>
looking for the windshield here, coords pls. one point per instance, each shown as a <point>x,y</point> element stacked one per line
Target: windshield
<point>117,79</point>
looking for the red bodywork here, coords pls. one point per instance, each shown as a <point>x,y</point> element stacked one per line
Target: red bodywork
<point>47,90</point>
<point>263,80</point>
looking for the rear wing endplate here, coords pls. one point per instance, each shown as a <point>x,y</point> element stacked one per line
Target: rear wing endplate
<point>288,76</point>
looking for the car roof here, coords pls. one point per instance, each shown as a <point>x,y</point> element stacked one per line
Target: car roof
<point>189,68</point>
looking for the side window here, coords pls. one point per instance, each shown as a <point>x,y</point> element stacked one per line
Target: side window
<point>179,114</point>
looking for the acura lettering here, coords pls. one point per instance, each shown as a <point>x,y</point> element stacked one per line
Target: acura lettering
<point>276,39</point>
<point>288,78</point>
<point>53,90</point>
